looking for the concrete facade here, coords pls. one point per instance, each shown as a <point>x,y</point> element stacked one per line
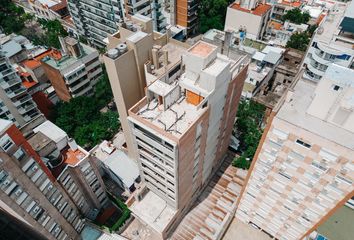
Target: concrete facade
<point>180,129</point>
<point>48,180</point>
<point>96,19</point>
<point>76,72</point>
<point>331,43</point>
<point>249,17</point>
<point>303,170</point>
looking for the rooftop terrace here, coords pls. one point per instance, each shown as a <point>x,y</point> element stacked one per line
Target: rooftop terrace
<point>260,10</point>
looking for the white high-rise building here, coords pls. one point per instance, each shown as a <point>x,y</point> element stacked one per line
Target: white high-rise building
<point>332,42</point>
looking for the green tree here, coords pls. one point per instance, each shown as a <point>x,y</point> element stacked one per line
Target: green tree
<point>53,29</point>
<point>248,130</point>
<point>103,91</point>
<point>212,14</point>
<point>296,16</point>
<point>299,41</point>
<point>12,17</point>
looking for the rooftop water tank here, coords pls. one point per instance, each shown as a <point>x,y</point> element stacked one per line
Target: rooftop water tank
<point>113,53</point>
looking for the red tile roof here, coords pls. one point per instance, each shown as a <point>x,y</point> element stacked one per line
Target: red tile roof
<point>293,4</point>
<point>32,64</point>
<point>275,25</point>
<point>260,10</point>
<point>27,84</point>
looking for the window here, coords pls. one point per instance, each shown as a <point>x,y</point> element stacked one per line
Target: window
<point>336,87</point>
<point>6,143</point>
<point>300,142</point>
<point>19,154</point>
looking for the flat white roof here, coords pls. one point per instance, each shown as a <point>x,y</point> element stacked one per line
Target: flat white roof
<point>258,56</point>
<point>4,125</point>
<point>340,74</point>
<point>161,88</point>
<point>268,49</point>
<point>122,166</point>
<point>49,3</point>
<point>154,211</point>
<point>51,130</point>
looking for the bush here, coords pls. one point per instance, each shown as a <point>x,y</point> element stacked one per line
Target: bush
<point>241,162</point>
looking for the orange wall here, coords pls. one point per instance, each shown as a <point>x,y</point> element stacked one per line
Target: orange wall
<point>193,98</point>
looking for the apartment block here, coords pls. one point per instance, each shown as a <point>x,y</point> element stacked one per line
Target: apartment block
<point>185,14</point>
<point>148,8</point>
<point>303,168</point>
<point>96,19</point>
<point>131,48</point>
<point>332,42</point>
<point>181,129</point>
<point>49,9</point>
<point>75,72</point>
<point>15,102</point>
<point>48,180</point>
<point>249,17</point>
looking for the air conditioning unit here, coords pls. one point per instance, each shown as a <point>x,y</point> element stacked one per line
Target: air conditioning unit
<point>34,168</point>
<point>50,187</point>
<point>57,229</point>
<point>36,209</point>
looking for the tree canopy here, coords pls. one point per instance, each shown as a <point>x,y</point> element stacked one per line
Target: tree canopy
<point>248,130</point>
<point>299,41</point>
<point>52,30</point>
<point>296,16</point>
<point>81,117</point>
<point>212,14</point>
<point>12,17</point>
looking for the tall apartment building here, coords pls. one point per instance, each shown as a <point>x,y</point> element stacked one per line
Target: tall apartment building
<point>96,19</point>
<point>15,103</point>
<point>148,8</point>
<point>76,72</point>
<point>135,41</point>
<point>185,14</point>
<point>332,42</point>
<point>47,182</point>
<point>182,126</point>
<point>249,17</point>
<point>303,168</point>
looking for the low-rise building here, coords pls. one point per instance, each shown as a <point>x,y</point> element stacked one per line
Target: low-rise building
<point>117,166</point>
<point>281,7</point>
<point>284,74</point>
<point>261,70</point>
<point>76,72</point>
<point>279,34</point>
<point>249,17</point>
<point>49,9</point>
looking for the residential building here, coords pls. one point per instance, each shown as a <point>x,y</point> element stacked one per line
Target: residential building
<point>13,46</point>
<point>13,226</point>
<point>284,75</point>
<point>181,129</point>
<point>48,180</point>
<point>332,42</point>
<point>149,8</point>
<point>261,70</point>
<point>76,72</point>
<point>185,14</point>
<point>249,17</point>
<point>135,40</point>
<point>279,34</point>
<point>281,7</point>
<point>37,203</point>
<point>117,166</point>
<point>15,102</point>
<point>96,19</point>
<point>303,168</point>
<point>49,9</point>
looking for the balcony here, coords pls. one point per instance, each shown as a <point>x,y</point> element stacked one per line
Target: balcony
<point>26,108</point>
<point>16,92</point>
<point>22,100</point>
<point>82,83</point>
<point>313,67</point>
